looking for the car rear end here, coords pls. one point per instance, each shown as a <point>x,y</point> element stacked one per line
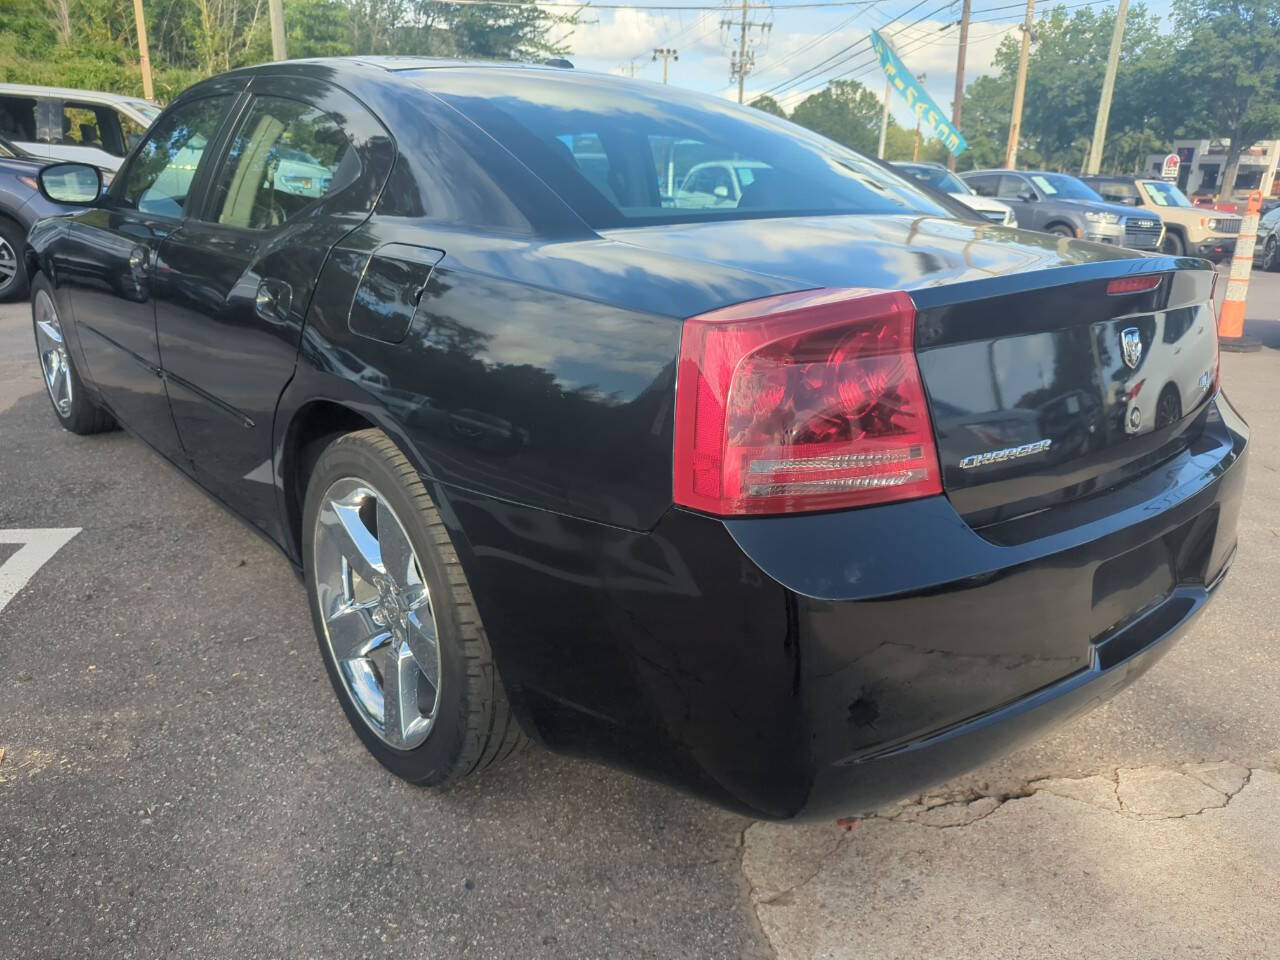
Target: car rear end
<point>983,522</point>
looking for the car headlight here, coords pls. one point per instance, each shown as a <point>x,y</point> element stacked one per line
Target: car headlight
<point>1009,219</point>
<point>1098,216</point>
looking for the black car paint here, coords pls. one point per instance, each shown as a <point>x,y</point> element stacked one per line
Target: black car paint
<point>788,666</point>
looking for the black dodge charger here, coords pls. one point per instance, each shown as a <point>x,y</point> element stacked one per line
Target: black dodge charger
<point>653,428</point>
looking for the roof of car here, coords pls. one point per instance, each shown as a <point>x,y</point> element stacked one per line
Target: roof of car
<point>70,93</point>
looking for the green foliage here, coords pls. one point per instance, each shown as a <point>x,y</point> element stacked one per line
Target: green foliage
<point>846,112</point>
<point>769,105</point>
<point>91,44</point>
<point>1229,87</point>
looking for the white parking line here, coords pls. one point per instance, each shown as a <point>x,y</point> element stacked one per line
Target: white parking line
<point>38,547</point>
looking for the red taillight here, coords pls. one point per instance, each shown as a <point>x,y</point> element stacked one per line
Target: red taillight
<point>804,401</point>
<point>1133,284</point>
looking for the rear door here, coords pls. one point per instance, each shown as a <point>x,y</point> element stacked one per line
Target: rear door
<point>298,173</point>
<point>1014,190</point>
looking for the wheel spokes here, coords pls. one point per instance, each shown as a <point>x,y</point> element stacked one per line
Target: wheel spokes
<point>377,613</point>
<point>393,547</point>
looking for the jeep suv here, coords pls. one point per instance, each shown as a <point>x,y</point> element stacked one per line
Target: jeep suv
<point>1188,229</point>
<point>1061,204</point>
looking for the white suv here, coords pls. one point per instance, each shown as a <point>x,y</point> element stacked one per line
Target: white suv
<point>82,125</point>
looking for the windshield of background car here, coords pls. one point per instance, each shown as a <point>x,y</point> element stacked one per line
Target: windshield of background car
<point>1164,194</point>
<point>943,180</point>
<point>1061,187</point>
<point>627,155</point>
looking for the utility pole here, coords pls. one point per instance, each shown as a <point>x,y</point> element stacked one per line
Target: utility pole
<point>1108,88</point>
<point>275,11</point>
<point>884,118</point>
<point>957,107</point>
<point>743,60</point>
<point>1019,90</point>
<point>144,53</point>
<point>667,54</point>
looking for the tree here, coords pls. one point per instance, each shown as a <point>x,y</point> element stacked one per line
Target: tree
<point>769,105</point>
<point>846,112</point>
<point>1230,72</point>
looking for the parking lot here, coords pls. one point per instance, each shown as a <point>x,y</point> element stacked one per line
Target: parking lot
<point>177,778</point>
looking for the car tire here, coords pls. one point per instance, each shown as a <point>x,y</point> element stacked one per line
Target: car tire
<point>71,403</point>
<point>13,269</point>
<point>1271,255</point>
<point>1173,244</point>
<point>362,490</point>
<point>1062,230</point>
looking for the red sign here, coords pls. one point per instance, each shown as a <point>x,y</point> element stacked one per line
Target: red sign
<point>1169,169</point>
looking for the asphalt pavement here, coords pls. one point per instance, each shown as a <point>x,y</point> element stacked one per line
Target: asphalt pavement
<point>178,780</point>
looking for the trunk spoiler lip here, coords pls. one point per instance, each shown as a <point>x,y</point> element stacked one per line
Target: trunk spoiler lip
<point>928,296</point>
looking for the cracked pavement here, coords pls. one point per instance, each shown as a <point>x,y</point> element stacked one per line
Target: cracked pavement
<point>177,779</point>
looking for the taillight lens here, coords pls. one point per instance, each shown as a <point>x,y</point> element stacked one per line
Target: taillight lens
<point>805,401</point>
<point>1133,284</point>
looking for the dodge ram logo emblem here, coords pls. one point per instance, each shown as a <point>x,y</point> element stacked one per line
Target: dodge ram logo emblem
<point>1131,344</point>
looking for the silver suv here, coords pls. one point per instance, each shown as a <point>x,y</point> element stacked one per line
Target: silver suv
<point>87,126</point>
<point>1061,204</point>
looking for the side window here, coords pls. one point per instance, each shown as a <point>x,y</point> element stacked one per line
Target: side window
<point>18,118</point>
<point>159,178</point>
<point>286,155</point>
<point>983,186</point>
<point>1117,191</point>
<point>1012,187</point>
<point>131,131</point>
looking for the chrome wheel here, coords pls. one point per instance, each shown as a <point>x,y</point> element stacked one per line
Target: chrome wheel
<point>8,265</point>
<point>53,353</point>
<point>377,614</point>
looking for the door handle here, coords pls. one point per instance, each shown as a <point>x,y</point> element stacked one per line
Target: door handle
<point>273,300</point>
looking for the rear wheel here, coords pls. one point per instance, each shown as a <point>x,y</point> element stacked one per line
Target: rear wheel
<point>1173,244</point>
<point>13,271</point>
<point>1168,407</point>
<point>398,630</point>
<point>1271,254</point>
<point>71,403</point>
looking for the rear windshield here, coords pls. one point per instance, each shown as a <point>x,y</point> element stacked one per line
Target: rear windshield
<point>623,154</point>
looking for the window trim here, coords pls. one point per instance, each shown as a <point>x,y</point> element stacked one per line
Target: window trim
<point>204,214</point>
<point>115,193</point>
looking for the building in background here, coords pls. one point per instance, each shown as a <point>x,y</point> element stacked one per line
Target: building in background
<point>1205,161</point>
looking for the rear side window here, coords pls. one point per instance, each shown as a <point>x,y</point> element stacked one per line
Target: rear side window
<point>285,156</point>
<point>623,155</point>
<point>983,186</point>
<point>160,176</point>
<point>18,118</point>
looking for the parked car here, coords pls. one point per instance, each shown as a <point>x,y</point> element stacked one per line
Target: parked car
<point>800,505</point>
<point>1063,205</point>
<point>1187,229</point>
<point>940,178</point>
<point>717,183</point>
<point>1268,244</point>
<point>21,205</point>
<point>84,125</point>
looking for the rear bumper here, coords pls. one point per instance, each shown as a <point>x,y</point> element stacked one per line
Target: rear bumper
<point>820,665</point>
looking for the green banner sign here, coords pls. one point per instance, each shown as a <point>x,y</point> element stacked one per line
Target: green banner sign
<point>917,99</point>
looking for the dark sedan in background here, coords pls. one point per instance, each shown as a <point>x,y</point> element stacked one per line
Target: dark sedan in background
<point>799,499</point>
<point>21,205</point>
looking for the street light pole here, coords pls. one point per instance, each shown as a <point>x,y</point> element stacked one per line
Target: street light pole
<point>957,107</point>
<point>1108,88</point>
<point>1019,90</point>
<point>884,119</point>
<point>275,11</point>
<point>144,53</point>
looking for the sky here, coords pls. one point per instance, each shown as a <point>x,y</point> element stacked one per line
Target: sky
<point>926,35</point>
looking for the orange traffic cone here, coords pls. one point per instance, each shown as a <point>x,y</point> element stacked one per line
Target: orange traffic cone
<point>1231,323</point>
